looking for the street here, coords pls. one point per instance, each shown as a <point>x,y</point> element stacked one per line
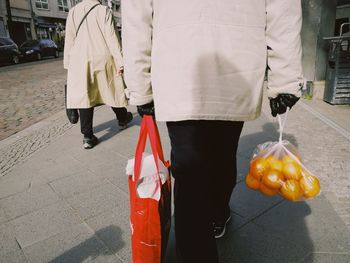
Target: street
<point>30,92</point>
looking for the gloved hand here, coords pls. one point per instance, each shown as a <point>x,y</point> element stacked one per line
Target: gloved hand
<point>279,104</point>
<point>146,109</point>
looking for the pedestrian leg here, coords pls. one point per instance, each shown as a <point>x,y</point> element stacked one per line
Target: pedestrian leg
<point>86,120</point>
<point>193,216</point>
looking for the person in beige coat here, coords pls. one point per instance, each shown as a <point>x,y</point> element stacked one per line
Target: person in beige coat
<point>92,56</point>
<point>200,65</point>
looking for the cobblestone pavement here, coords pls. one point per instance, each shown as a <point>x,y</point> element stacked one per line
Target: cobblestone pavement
<point>20,149</point>
<point>30,92</point>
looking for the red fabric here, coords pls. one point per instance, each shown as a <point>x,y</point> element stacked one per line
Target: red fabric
<point>149,219</point>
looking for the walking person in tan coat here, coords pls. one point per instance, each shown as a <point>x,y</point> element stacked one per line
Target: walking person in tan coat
<point>92,56</point>
<point>200,65</point>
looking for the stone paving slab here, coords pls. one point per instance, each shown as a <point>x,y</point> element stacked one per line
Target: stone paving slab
<point>23,203</point>
<point>314,219</point>
<point>99,200</point>
<point>326,258</point>
<point>42,224</point>
<point>113,229</point>
<point>76,184</point>
<point>77,244</point>
<point>253,244</point>
<point>14,257</point>
<point>250,204</point>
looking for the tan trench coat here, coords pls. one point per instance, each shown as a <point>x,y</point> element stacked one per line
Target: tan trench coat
<point>206,59</point>
<point>93,58</point>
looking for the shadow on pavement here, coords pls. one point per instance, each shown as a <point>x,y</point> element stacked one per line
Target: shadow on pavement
<point>111,128</point>
<point>88,249</point>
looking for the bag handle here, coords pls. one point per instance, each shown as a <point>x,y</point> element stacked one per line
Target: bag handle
<point>282,124</point>
<point>81,22</point>
<point>148,129</point>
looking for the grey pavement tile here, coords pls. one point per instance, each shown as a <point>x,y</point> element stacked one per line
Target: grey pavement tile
<point>44,223</point>
<point>249,203</point>
<point>113,229</point>
<point>253,244</point>
<point>8,243</point>
<point>312,224</point>
<point>326,258</point>
<point>123,144</point>
<point>13,257</point>
<point>242,167</point>
<point>32,199</point>
<point>3,217</point>
<point>77,183</point>
<point>13,183</point>
<point>76,244</point>
<point>99,200</point>
<point>116,173</point>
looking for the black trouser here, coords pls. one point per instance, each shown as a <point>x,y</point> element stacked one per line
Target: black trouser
<point>86,116</point>
<point>203,163</point>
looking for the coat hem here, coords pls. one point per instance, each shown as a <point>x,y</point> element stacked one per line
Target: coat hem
<point>213,117</point>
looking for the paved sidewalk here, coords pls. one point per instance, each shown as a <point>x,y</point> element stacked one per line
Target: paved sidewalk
<point>66,204</point>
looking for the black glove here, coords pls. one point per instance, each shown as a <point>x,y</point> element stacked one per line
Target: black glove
<point>146,109</point>
<point>279,104</point>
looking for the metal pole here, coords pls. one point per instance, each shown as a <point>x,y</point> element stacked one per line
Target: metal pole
<point>9,17</point>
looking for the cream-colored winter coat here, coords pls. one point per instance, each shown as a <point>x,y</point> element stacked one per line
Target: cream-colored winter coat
<point>206,59</point>
<point>92,58</point>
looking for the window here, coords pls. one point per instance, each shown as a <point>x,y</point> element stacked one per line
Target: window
<point>42,4</point>
<point>63,5</point>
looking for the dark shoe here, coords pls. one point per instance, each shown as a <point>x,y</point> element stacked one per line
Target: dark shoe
<point>90,142</point>
<point>124,124</point>
<point>220,227</point>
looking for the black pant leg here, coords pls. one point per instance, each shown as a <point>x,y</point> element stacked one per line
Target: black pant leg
<point>193,215</point>
<point>86,117</point>
<point>120,113</point>
<point>223,164</point>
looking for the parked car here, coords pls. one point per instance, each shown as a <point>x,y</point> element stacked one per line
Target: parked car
<point>9,52</point>
<point>37,49</point>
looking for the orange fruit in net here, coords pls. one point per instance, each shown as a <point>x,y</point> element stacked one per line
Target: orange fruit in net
<point>251,182</point>
<point>291,190</point>
<point>288,159</point>
<point>258,167</point>
<point>292,170</point>
<point>274,163</point>
<point>267,190</point>
<point>273,179</point>
<point>309,185</point>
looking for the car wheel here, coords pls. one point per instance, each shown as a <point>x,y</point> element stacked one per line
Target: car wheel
<point>38,56</point>
<point>57,54</point>
<point>15,59</point>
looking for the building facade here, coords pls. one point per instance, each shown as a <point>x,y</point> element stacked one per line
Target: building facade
<point>50,18</point>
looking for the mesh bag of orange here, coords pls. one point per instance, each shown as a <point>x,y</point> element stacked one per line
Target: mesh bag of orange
<point>277,168</point>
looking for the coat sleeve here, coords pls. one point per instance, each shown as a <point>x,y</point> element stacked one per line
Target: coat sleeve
<point>137,17</point>
<point>283,27</point>
<point>112,39</point>
<point>69,39</point>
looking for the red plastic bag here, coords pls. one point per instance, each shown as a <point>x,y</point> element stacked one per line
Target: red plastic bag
<point>149,218</point>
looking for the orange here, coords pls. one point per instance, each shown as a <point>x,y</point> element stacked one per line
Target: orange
<point>288,159</point>
<point>258,167</point>
<point>310,185</point>
<point>292,170</point>
<point>251,182</point>
<point>275,163</point>
<point>273,179</point>
<point>291,190</point>
<point>267,190</point>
